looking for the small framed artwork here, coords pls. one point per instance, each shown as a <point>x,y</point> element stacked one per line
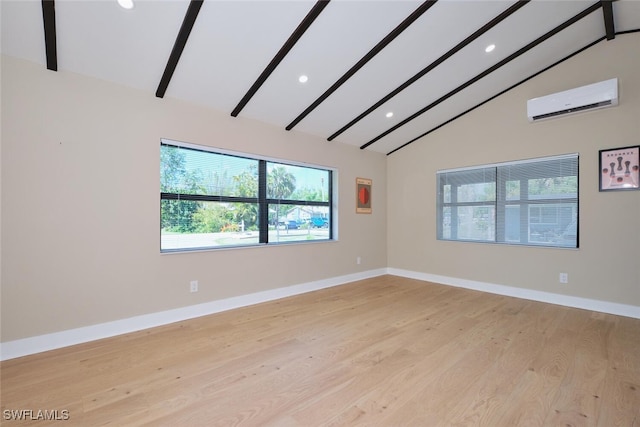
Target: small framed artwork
<point>363,196</point>
<point>620,168</point>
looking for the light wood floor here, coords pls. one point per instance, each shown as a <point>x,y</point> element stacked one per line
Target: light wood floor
<point>386,351</point>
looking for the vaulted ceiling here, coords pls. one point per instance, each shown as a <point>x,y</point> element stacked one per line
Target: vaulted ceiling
<point>424,61</point>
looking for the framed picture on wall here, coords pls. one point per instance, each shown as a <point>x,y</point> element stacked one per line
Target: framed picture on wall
<point>363,195</point>
<point>620,169</point>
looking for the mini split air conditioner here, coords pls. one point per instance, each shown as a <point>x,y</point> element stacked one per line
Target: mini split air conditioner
<point>591,97</point>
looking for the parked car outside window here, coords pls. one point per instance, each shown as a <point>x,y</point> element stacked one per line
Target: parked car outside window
<point>319,222</point>
<point>292,225</point>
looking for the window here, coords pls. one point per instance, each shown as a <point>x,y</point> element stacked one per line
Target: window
<point>529,202</point>
<point>216,199</point>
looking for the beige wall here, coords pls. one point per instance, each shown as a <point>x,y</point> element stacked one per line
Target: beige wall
<point>80,205</point>
<point>607,265</point>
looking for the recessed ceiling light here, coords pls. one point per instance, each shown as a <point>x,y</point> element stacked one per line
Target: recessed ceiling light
<point>490,48</point>
<point>303,78</point>
<point>389,114</point>
<point>126,4</point>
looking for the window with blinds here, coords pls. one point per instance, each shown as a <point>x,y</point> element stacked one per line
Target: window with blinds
<point>211,199</point>
<point>528,202</point>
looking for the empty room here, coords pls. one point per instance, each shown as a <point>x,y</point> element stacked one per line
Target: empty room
<point>320,213</point>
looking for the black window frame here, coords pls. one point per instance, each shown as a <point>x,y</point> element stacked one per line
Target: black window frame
<point>262,199</point>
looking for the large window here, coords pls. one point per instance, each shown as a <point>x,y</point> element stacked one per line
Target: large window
<point>530,202</point>
<point>213,199</point>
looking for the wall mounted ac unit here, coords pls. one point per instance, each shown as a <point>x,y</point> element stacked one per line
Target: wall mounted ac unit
<point>590,97</point>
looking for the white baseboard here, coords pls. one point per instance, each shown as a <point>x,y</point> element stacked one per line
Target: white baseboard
<point>40,343</point>
<point>548,297</point>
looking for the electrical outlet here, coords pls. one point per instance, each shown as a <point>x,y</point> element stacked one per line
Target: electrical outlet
<point>563,278</point>
<point>194,286</point>
<point>358,260</point>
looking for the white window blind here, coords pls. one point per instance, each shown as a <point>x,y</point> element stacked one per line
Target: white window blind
<point>529,202</point>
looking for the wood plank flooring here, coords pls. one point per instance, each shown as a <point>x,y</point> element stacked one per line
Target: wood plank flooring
<point>386,351</point>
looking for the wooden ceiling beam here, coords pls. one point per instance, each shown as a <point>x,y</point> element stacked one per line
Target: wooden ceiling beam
<point>49,21</point>
<point>178,47</point>
<point>284,50</point>
<point>609,25</point>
